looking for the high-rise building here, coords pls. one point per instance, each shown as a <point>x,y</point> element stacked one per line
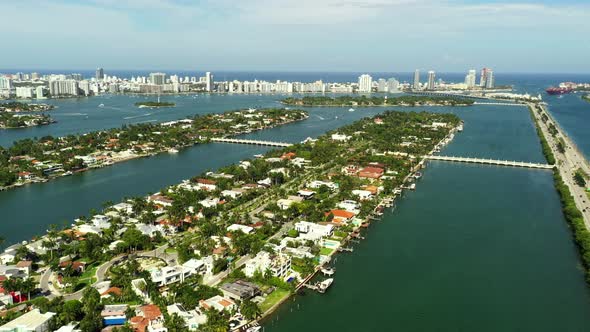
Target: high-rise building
<point>381,85</point>
<point>63,88</point>
<point>208,81</point>
<point>157,78</point>
<point>5,83</point>
<point>365,83</point>
<point>417,79</point>
<point>431,77</point>
<point>99,74</point>
<point>490,79</point>
<point>25,92</point>
<point>470,78</point>
<point>484,77</point>
<point>392,85</point>
<point>40,92</point>
<point>84,87</point>
<point>34,76</point>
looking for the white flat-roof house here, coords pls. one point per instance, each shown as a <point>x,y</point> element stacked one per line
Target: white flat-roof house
<point>313,231</point>
<point>32,321</point>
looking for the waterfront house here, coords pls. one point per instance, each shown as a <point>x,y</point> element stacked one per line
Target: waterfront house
<point>114,314</point>
<point>32,321</point>
<point>341,216</point>
<point>192,318</point>
<point>240,290</point>
<point>279,265</point>
<point>218,303</point>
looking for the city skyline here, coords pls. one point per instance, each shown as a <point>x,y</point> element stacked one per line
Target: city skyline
<point>205,35</point>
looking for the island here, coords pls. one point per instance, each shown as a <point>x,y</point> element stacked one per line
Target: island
<point>40,159</point>
<point>364,101</point>
<point>10,121</point>
<point>225,248</point>
<point>142,104</point>
<point>16,107</point>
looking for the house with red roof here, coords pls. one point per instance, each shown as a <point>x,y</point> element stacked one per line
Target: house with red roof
<point>371,172</point>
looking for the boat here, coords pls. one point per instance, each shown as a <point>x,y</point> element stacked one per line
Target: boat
<point>351,109</point>
<point>460,128</point>
<point>324,285</point>
<point>101,105</point>
<point>558,91</point>
<point>172,150</point>
<point>417,175</point>
<point>68,173</point>
<point>328,271</point>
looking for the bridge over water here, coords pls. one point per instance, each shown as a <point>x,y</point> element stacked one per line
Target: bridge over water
<point>251,142</point>
<point>491,162</point>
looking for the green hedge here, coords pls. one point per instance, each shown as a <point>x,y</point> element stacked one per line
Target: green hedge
<point>576,220</point>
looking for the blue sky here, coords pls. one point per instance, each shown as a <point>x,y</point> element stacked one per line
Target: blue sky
<point>297,35</point>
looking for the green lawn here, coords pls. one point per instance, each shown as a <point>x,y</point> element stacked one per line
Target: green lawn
<point>326,251</point>
<point>273,298</point>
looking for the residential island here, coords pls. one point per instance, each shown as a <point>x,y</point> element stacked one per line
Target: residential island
<point>368,101</point>
<point>37,160</point>
<point>12,121</point>
<point>223,249</point>
<point>17,107</point>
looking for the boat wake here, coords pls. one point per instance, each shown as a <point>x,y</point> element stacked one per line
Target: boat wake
<point>321,118</point>
<point>137,116</point>
<point>74,114</point>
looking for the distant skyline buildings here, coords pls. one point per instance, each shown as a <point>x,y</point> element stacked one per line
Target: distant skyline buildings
<point>416,84</point>
<point>365,83</point>
<point>431,80</point>
<point>99,74</point>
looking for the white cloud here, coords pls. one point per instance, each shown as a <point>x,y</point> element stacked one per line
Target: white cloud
<point>289,34</point>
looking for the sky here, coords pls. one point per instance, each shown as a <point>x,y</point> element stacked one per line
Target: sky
<point>297,35</point>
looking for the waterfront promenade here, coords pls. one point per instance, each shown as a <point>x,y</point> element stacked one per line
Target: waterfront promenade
<point>567,162</point>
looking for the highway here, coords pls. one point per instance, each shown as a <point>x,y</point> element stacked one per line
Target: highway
<point>568,162</point>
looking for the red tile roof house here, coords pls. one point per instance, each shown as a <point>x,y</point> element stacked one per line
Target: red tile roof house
<point>371,172</point>
<point>341,216</point>
<point>206,184</point>
<point>149,318</point>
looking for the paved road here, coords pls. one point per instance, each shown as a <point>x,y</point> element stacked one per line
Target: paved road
<point>568,163</point>
<point>101,272</point>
